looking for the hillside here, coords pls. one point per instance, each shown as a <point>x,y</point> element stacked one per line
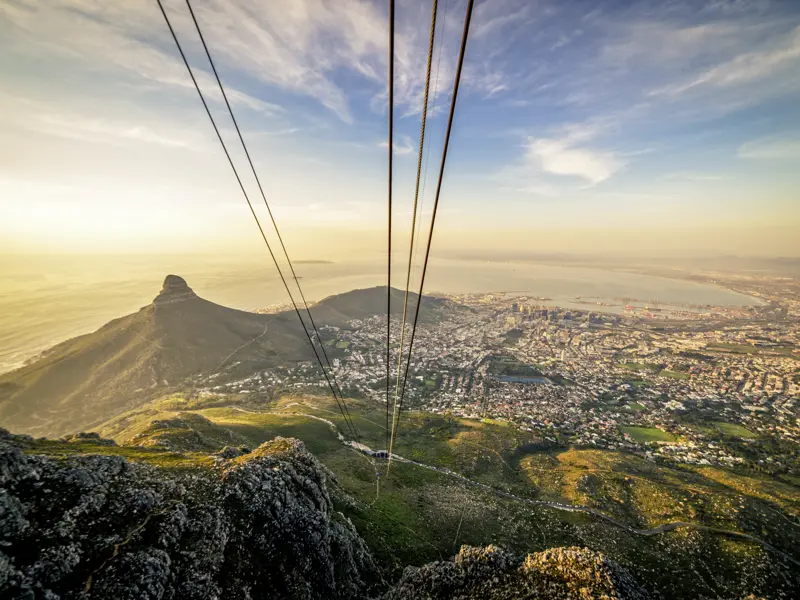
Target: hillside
<point>418,514</point>
<point>337,310</point>
<point>91,378</point>
<point>247,525</point>
<point>177,339</point>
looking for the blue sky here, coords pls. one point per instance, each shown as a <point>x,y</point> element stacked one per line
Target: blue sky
<point>674,125</point>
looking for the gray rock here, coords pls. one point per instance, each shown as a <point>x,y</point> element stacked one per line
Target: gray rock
<point>492,574</point>
<point>229,452</point>
<point>260,526</point>
<point>89,436</point>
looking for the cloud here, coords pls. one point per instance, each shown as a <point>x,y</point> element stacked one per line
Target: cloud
<point>774,148</point>
<point>550,164</point>
<point>105,131</point>
<point>403,148</point>
<point>558,157</point>
<point>744,68</point>
<point>53,118</point>
<point>675,60</point>
<point>298,46</point>
<point>333,52</point>
<point>128,39</point>
<point>491,18</point>
<point>569,155</point>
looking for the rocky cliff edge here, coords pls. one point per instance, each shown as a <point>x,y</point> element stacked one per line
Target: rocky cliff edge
<point>260,525</point>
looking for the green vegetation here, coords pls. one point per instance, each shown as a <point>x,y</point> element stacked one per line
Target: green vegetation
<point>648,434</point>
<point>155,456</point>
<point>510,366</point>
<point>674,374</point>
<point>342,344</point>
<point>414,515</point>
<point>635,406</point>
<point>733,430</point>
<point>431,382</point>
<point>637,383</point>
<point>733,348</point>
<point>637,366</point>
<point>500,422</point>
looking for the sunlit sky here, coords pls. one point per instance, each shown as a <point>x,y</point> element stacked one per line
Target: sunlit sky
<point>658,126</point>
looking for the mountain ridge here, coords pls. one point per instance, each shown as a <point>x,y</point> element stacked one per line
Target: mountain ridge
<point>166,344</point>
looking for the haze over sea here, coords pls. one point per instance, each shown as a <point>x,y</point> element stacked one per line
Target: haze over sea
<point>47,299</point>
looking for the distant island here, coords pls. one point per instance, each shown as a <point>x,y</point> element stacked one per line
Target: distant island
<point>313,261</point>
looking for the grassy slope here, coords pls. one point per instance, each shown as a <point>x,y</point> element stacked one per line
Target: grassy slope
<point>735,431</point>
<point>81,382</point>
<point>86,380</point>
<point>422,515</point>
<point>648,434</point>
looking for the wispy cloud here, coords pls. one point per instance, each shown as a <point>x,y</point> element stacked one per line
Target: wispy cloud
<point>571,153</point>
<point>102,130</point>
<point>127,39</point>
<point>745,68</point>
<point>56,120</point>
<point>773,148</point>
<point>404,147</point>
<point>675,60</point>
<point>559,157</point>
<point>495,17</point>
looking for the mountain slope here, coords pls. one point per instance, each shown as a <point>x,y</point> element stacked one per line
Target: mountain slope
<point>91,378</point>
<point>179,337</point>
<point>338,309</point>
<point>80,520</point>
<point>421,515</point>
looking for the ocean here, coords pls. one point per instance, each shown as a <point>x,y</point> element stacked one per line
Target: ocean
<point>47,299</point>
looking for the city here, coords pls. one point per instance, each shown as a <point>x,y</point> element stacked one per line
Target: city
<point>702,385</point>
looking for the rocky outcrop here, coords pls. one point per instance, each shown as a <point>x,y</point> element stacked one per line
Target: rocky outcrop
<point>175,289</point>
<point>89,436</point>
<point>258,525</point>
<point>186,432</point>
<point>491,574</point>
<point>238,525</point>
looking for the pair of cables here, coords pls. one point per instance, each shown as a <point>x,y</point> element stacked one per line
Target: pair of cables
<point>329,374</point>
<point>402,372</point>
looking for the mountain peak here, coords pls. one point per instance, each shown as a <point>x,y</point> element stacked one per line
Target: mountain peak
<point>175,289</point>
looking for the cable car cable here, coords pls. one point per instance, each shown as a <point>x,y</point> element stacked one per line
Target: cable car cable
<point>423,120</point>
<point>456,82</point>
<point>250,205</point>
<point>266,203</point>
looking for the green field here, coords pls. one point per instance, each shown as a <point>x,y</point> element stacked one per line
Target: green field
<point>635,407</point>
<point>645,435</point>
<point>733,348</point>
<point>637,383</point>
<point>342,344</point>
<point>636,366</point>
<point>733,430</point>
<point>674,374</point>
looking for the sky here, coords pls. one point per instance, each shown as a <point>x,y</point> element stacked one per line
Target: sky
<point>605,127</point>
